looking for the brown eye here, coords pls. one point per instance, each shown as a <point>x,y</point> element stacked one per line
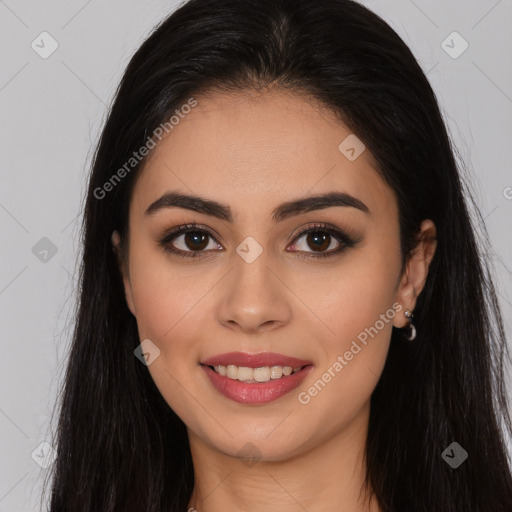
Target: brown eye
<point>321,241</point>
<point>189,241</point>
<point>196,240</point>
<point>318,240</point>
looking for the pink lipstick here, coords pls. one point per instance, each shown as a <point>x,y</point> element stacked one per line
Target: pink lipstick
<point>255,378</point>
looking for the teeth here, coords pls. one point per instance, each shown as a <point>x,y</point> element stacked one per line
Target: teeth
<point>276,372</point>
<point>232,372</point>
<point>262,374</point>
<point>245,373</point>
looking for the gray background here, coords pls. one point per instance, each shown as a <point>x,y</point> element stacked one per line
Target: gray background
<point>52,110</point>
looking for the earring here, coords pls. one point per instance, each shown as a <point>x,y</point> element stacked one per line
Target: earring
<point>411,334</point>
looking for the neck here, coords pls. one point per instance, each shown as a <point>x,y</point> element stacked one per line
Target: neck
<point>329,476</point>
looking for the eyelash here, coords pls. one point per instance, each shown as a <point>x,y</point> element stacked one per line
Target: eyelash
<point>342,238</point>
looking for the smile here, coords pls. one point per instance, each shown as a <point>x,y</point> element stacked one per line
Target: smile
<point>255,378</point>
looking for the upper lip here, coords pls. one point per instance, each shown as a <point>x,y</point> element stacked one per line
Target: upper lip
<point>255,360</point>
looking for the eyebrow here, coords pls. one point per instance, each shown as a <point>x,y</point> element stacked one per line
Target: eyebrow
<point>282,212</point>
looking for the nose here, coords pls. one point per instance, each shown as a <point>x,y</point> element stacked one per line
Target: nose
<point>254,297</point>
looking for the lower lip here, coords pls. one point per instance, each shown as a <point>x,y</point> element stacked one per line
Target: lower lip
<point>256,392</point>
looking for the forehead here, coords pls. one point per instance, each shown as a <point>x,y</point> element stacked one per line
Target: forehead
<point>253,148</point>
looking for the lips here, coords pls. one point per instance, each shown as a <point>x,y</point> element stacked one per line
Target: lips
<point>252,392</point>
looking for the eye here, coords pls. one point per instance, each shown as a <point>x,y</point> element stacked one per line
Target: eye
<point>191,240</point>
<point>323,239</point>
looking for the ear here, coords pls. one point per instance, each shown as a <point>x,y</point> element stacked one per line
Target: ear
<point>116,245</point>
<point>416,270</point>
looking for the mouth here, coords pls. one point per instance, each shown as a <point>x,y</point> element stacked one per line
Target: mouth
<point>255,378</point>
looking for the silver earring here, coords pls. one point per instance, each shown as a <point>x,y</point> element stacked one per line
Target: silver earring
<point>411,334</point>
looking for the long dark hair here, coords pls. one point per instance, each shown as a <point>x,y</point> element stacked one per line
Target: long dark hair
<point>120,446</point>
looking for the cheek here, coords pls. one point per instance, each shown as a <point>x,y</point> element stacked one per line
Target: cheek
<point>165,295</point>
<point>351,296</point>
<point>168,309</point>
<point>352,359</point>
<point>355,303</point>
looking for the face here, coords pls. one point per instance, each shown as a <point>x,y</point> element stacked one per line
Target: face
<point>247,279</point>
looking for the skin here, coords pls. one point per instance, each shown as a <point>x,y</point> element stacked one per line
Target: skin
<point>254,151</point>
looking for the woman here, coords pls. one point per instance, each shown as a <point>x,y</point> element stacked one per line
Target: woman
<point>283,305</point>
